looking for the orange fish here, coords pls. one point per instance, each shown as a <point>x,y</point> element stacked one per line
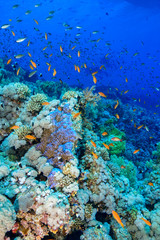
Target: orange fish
<point>8,62</point>
<point>102,94</point>
<point>54,73</point>
<point>116,216</point>
<point>106,146</point>
<point>59,108</point>
<point>15,228</point>
<point>13,33</point>
<point>28,43</point>
<point>117,116</point>
<point>146,221</point>
<point>78,68</point>
<point>101,67</point>
<point>75,67</point>
<point>94,79</point>
<point>85,65</point>
<point>77,114</point>
<point>29,54</point>
<point>36,21</point>
<point>30,137</point>
<point>45,103</point>
<point>116,104</point>
<point>33,63</point>
<point>126,79</point>
<point>51,55</point>
<point>94,155</point>
<point>14,127</point>
<point>126,91</point>
<point>116,139</point>
<point>123,167</point>
<point>73,47</point>
<point>111,144</point>
<point>31,67</point>
<point>94,73</point>
<point>104,133</point>
<point>150,184</point>
<point>49,68</point>
<point>61,49</point>
<point>93,143</point>
<point>44,48</point>
<point>18,71</point>
<point>140,127</point>
<point>135,125</point>
<point>78,53</point>
<point>134,110</point>
<point>136,151</point>
<point>46,37</point>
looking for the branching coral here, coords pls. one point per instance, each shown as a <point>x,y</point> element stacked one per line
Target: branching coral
<point>35,102</point>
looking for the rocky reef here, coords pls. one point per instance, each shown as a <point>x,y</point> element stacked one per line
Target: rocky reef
<point>66,164</point>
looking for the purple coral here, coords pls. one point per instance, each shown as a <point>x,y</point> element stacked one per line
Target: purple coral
<point>57,144</point>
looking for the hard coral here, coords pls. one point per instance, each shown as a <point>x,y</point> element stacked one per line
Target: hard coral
<point>35,102</point>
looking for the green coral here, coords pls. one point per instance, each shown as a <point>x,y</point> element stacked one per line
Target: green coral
<point>22,90</point>
<point>22,131</point>
<point>129,171</point>
<point>119,147</point>
<point>35,102</point>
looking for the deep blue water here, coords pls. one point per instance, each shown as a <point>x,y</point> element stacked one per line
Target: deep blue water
<point>128,31</point>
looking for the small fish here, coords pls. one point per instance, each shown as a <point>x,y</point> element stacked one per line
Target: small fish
<point>9,60</point>
<point>54,73</point>
<point>116,104</point>
<point>34,64</point>
<point>14,127</point>
<point>51,12</point>
<point>31,74</point>
<point>13,33</point>
<point>20,40</point>
<point>94,73</point>
<point>15,228</point>
<point>78,53</point>
<point>49,18</point>
<point>104,134</point>
<point>31,67</point>
<point>111,144</point>
<point>37,5</point>
<point>28,43</point>
<point>5,26</point>
<point>75,67</point>
<point>49,67</point>
<point>117,116</point>
<point>46,36</point>
<point>78,69</point>
<point>93,143</point>
<point>126,91</point>
<point>79,27</point>
<point>94,155</point>
<point>36,21</point>
<point>77,114</point>
<point>140,127</point>
<point>28,12</point>
<point>102,94</point>
<point>146,221</point>
<point>30,137</point>
<point>126,79</point>
<point>29,54</point>
<point>94,32</point>
<point>116,216</point>
<point>85,65</point>
<point>73,47</point>
<point>15,6</point>
<point>44,48</point>
<point>45,103</point>
<point>19,56</point>
<point>94,79</point>
<point>136,151</point>
<point>51,55</point>
<point>106,146</point>
<point>150,184</point>
<point>101,67</point>
<point>18,71</point>
<point>61,49</point>
<point>59,108</point>
<point>116,139</point>
<point>123,167</point>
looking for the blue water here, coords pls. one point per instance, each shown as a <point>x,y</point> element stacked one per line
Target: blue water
<point>124,29</point>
